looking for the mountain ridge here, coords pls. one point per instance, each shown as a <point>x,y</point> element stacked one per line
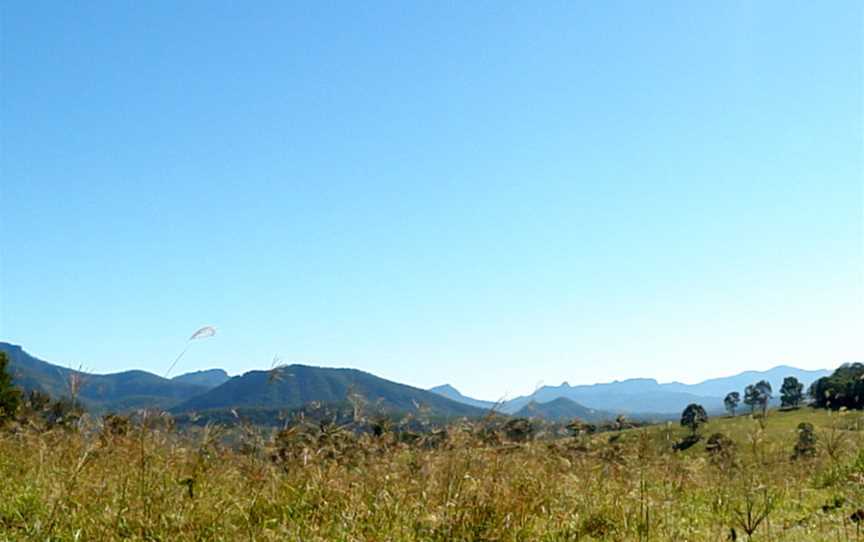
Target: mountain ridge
<point>113,391</point>
<point>208,378</point>
<point>293,386</point>
<point>214,388</point>
<point>647,396</point>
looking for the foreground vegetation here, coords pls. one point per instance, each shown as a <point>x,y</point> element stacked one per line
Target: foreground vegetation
<point>142,479</point>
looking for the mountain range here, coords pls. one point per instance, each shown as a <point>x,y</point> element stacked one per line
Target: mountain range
<point>645,397</point>
<point>119,391</point>
<point>288,387</point>
<point>296,386</point>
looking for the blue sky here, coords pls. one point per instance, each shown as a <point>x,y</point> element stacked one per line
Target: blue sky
<point>489,194</point>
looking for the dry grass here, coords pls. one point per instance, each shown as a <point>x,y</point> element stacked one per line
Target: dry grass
<point>313,483</point>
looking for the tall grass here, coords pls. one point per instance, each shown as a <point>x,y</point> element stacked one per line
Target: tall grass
<point>142,479</point>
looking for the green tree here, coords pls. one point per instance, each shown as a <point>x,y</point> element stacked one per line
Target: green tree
<point>693,416</point>
<point>763,390</point>
<point>10,396</point>
<point>818,392</point>
<point>791,392</point>
<point>751,397</point>
<point>731,401</point>
<point>844,388</point>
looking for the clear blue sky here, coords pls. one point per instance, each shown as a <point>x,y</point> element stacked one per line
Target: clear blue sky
<point>489,194</point>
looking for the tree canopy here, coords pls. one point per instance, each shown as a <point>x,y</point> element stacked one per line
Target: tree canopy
<point>731,401</point>
<point>844,388</point>
<point>791,392</point>
<point>693,416</point>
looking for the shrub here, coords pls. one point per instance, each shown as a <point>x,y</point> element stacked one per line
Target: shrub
<point>64,412</point>
<point>720,448</point>
<point>806,445</point>
<point>519,430</point>
<point>687,442</point>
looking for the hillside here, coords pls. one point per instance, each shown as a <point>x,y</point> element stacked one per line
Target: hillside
<point>288,388</point>
<point>117,391</point>
<point>209,378</point>
<point>562,409</point>
<point>295,385</point>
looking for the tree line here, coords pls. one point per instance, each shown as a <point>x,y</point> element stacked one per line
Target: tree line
<point>843,389</point>
<point>759,394</point>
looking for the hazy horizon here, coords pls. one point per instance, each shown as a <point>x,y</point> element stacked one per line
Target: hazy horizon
<point>507,396</point>
<point>488,195</point>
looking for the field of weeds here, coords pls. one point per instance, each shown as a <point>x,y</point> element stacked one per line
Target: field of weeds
<point>117,479</point>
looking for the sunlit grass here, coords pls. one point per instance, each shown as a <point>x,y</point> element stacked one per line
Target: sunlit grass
<point>314,483</point>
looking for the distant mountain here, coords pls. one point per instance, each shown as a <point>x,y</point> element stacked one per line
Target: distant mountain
<point>636,397</point>
<point>296,385</point>
<point>642,396</point>
<point>645,397</point>
<point>450,392</point>
<point>209,378</point>
<point>721,386</point>
<point>562,409</point>
<point>119,391</point>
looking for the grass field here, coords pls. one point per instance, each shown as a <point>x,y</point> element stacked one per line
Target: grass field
<point>149,482</point>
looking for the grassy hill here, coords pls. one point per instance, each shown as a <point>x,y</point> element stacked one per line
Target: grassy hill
<point>781,426</point>
<point>295,385</point>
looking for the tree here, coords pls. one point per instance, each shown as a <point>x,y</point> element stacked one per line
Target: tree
<point>844,388</point>
<point>10,396</point>
<point>693,416</point>
<point>791,392</point>
<point>751,397</point>
<point>731,401</point>
<point>758,394</point>
<point>763,388</point>
<point>819,392</point>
